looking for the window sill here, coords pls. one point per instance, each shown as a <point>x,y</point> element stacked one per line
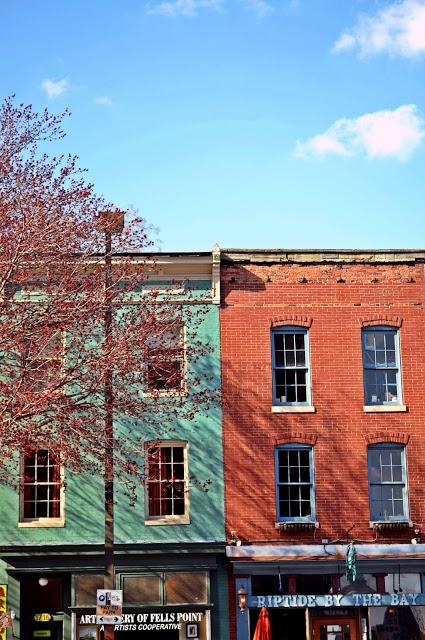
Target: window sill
<point>289,525</point>
<point>42,522</point>
<point>165,394</point>
<point>280,408</point>
<point>385,408</point>
<point>390,525</point>
<point>167,521</point>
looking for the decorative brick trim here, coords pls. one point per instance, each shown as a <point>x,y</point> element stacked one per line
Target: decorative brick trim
<point>297,436</point>
<point>381,436</point>
<point>392,321</point>
<point>297,321</point>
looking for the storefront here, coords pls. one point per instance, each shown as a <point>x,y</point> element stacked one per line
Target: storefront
<point>169,593</point>
<point>307,595</point>
<point>158,605</point>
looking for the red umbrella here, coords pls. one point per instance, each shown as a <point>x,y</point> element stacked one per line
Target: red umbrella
<point>262,630</point>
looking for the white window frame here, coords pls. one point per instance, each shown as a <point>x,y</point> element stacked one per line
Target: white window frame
<point>292,330</point>
<point>40,521</point>
<point>389,446</point>
<point>295,446</point>
<point>396,369</point>
<point>168,519</point>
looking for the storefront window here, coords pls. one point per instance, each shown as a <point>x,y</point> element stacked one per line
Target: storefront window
<point>407,582</point>
<point>182,588</point>
<point>86,587</point>
<point>394,623</point>
<point>144,589</point>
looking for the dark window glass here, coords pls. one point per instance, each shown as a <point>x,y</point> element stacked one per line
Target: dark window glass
<point>294,483</point>
<point>290,366</point>
<point>387,482</point>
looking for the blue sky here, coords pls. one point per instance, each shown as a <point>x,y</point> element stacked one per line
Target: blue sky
<point>251,123</point>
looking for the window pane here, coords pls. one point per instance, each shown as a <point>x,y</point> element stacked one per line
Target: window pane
<point>145,589</point>
<point>278,341</point>
<point>289,341</point>
<point>290,359</point>
<point>182,588</point>
<point>86,587</point>
<point>299,341</point>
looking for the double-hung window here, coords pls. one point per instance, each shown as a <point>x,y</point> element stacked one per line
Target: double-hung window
<point>381,366</point>
<point>166,486</point>
<point>295,483</point>
<point>165,360</point>
<point>387,482</point>
<point>42,360</point>
<point>41,489</point>
<point>290,358</point>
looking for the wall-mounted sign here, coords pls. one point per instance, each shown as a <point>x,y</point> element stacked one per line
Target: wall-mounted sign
<point>42,617</point>
<point>42,633</point>
<point>109,606</point>
<point>152,621</point>
<point>339,600</point>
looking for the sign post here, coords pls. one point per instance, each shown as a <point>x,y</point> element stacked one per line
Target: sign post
<point>109,606</point>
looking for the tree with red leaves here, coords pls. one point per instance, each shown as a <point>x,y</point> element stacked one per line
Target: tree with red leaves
<point>81,340</point>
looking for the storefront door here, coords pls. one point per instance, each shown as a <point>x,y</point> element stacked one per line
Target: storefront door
<point>335,629</point>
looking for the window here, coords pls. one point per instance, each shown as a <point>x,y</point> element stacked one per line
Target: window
<point>291,379</point>
<point>387,482</point>
<point>41,488</point>
<point>167,496</point>
<point>165,360</point>
<point>295,483</point>
<point>42,360</point>
<point>381,366</point>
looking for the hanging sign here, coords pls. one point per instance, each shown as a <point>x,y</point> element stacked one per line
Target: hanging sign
<point>339,600</point>
<point>109,606</point>
<point>42,617</point>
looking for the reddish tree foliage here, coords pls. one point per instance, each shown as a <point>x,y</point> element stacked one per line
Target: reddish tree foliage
<point>54,356</point>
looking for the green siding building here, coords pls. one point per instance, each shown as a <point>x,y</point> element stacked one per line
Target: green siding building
<point>169,556</point>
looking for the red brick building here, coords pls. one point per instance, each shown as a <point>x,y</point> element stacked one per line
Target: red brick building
<point>323,363</point>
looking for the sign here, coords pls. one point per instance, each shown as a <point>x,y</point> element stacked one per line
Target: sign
<point>42,633</point>
<point>3,611</point>
<point>42,617</point>
<point>152,621</point>
<point>109,606</point>
<point>339,600</point>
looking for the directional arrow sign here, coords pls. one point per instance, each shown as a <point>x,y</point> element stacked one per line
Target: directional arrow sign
<point>109,606</point>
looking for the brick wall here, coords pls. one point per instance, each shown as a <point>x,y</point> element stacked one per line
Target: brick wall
<point>335,301</point>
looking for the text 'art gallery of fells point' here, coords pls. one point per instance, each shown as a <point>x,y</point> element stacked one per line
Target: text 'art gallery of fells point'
<point>291,507</point>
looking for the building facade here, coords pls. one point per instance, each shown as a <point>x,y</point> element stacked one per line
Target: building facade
<point>169,545</point>
<point>323,363</point>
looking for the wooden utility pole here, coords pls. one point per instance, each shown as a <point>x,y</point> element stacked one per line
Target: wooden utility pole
<point>113,222</point>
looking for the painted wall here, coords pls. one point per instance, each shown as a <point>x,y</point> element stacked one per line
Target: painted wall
<point>84,495</point>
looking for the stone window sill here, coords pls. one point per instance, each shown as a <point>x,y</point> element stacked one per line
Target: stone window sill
<point>384,408</point>
<point>293,409</point>
<point>167,521</point>
<point>42,522</point>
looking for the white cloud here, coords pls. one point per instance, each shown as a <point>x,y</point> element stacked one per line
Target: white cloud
<point>382,134</point>
<point>174,8</point>
<point>398,29</point>
<point>260,7</point>
<point>103,101</point>
<point>55,88</point>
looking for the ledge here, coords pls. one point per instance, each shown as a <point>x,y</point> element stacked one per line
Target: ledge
<point>278,408</point>
<point>167,521</point>
<point>391,525</point>
<point>296,526</point>
<point>46,523</point>
<point>384,408</point>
